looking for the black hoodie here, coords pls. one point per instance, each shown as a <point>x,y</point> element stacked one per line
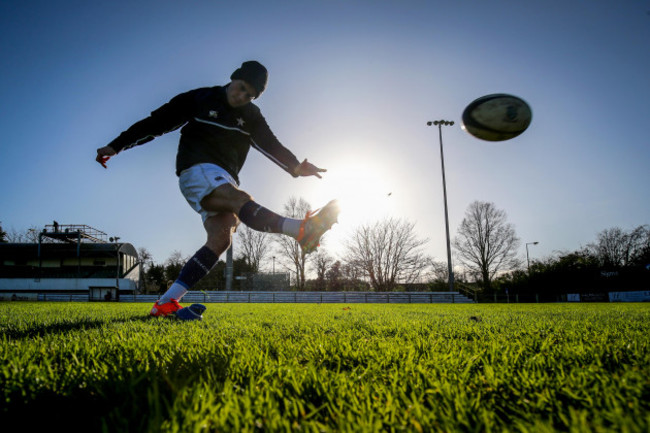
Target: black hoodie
<point>213,132</point>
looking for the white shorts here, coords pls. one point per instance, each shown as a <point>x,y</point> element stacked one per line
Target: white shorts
<point>199,181</point>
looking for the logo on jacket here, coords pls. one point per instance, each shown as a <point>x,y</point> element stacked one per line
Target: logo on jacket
<point>213,114</point>
<point>240,121</point>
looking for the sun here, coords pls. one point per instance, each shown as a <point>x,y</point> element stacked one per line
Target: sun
<point>364,191</point>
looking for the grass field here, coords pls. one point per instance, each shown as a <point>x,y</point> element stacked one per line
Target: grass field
<point>305,367</point>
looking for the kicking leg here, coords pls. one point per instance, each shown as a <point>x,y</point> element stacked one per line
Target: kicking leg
<point>306,231</point>
<point>228,198</point>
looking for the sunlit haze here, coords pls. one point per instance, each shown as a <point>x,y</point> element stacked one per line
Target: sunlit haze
<point>352,86</point>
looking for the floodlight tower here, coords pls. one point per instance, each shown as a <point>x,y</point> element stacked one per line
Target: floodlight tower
<point>439,124</point>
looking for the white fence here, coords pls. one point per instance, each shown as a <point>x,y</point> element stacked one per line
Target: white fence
<point>291,297</point>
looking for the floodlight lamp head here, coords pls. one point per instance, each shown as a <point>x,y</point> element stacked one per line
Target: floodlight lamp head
<point>440,122</point>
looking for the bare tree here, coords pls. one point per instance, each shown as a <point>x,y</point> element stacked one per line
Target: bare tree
<point>438,271</point>
<point>616,247</point>
<point>288,248</point>
<point>173,265</point>
<point>146,259</point>
<point>144,255</point>
<point>29,235</point>
<point>153,275</point>
<point>387,253</point>
<point>15,236</point>
<point>253,245</point>
<point>486,243</point>
<point>641,256</point>
<point>334,276</point>
<point>322,260</point>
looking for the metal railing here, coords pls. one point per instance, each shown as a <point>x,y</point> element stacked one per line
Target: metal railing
<point>289,297</point>
<point>466,290</point>
<point>313,297</point>
<point>63,297</point>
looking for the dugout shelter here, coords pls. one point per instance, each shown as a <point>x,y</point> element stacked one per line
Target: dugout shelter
<point>69,259</point>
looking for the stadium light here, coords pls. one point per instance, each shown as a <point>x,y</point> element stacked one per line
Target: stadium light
<point>439,124</point>
<point>527,256</point>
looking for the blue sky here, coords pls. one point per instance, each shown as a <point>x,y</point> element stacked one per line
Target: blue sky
<point>352,85</point>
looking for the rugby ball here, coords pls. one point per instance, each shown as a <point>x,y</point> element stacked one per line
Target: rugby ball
<point>497,117</point>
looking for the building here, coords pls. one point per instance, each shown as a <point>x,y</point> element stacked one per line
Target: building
<point>69,259</point>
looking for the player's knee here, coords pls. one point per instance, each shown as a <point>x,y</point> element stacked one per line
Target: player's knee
<point>230,223</point>
<point>226,198</point>
<point>220,228</point>
<point>241,198</point>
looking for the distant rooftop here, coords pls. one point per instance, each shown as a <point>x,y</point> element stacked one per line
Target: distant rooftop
<point>75,233</point>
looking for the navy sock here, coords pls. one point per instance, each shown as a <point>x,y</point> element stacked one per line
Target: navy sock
<point>197,267</point>
<point>260,218</point>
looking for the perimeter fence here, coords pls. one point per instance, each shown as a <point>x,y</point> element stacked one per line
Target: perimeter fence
<point>289,297</point>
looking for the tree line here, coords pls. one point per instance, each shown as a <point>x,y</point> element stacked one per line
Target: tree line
<point>381,256</point>
<point>388,255</point>
<point>618,260</point>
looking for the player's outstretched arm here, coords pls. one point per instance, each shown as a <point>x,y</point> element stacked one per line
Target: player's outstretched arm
<point>103,154</point>
<point>306,168</point>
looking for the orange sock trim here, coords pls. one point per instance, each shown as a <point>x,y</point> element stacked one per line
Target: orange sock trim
<point>301,232</point>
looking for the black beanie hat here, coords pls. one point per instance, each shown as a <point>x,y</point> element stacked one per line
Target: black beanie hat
<point>254,74</point>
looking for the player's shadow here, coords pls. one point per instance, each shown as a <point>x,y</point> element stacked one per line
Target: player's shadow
<point>124,400</point>
<point>42,330</point>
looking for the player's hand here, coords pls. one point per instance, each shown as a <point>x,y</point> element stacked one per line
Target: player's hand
<point>104,154</point>
<point>306,168</point>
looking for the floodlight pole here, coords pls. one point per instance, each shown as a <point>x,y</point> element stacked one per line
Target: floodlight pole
<point>229,268</point>
<point>439,124</point>
<point>117,274</point>
<point>527,256</point>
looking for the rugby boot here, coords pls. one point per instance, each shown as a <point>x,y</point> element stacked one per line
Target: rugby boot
<point>162,310</point>
<point>193,312</point>
<point>315,224</point>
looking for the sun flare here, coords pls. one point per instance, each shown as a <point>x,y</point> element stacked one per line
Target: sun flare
<point>364,193</point>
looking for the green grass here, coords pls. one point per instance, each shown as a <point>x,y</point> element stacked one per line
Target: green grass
<point>305,367</point>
